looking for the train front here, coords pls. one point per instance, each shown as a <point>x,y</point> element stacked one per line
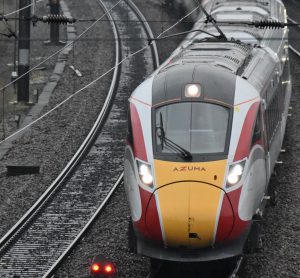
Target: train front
<point>184,163</point>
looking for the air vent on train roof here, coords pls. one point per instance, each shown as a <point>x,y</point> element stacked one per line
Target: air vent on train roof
<point>235,60</point>
<point>243,47</point>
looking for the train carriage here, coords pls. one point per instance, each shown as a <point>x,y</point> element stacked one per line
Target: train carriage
<point>204,133</point>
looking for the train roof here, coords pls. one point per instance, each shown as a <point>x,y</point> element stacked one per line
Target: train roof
<point>250,53</point>
<point>231,56</point>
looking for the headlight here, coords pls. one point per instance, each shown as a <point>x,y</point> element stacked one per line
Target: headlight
<point>192,90</point>
<point>145,172</point>
<point>235,173</point>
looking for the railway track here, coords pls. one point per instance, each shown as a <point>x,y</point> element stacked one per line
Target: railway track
<point>38,243</point>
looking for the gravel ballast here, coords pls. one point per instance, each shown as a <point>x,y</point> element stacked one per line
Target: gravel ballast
<point>52,142</point>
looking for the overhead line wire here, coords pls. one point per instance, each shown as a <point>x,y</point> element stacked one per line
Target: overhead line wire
<point>19,10</point>
<point>98,78</point>
<point>95,80</point>
<point>60,50</point>
<point>169,37</point>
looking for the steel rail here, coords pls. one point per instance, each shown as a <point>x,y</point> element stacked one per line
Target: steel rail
<point>34,210</point>
<point>155,57</point>
<point>120,179</point>
<point>236,270</point>
<point>148,30</point>
<point>54,267</point>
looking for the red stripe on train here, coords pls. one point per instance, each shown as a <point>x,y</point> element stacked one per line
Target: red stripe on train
<point>226,220</point>
<point>139,149</point>
<point>149,225</point>
<point>243,148</point>
<point>230,225</point>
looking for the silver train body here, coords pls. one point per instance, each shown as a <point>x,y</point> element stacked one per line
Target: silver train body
<point>224,104</point>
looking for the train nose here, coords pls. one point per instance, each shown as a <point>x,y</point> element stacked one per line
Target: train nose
<point>189,212</point>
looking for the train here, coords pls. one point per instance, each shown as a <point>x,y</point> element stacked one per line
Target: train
<point>204,133</point>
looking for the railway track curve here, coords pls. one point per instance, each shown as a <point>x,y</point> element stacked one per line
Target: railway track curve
<point>41,239</point>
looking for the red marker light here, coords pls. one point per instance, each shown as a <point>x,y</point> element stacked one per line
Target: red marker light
<point>102,267</point>
<point>96,267</point>
<point>109,269</point>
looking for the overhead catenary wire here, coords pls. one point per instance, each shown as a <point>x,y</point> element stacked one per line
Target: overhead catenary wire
<point>94,81</point>
<point>292,20</point>
<point>172,37</point>
<point>60,19</point>
<point>294,50</point>
<point>97,79</point>
<point>17,11</point>
<point>106,20</point>
<point>176,23</point>
<point>262,24</point>
<point>274,25</point>
<point>208,20</point>
<point>187,32</point>
<point>221,23</point>
<point>60,50</point>
<point>79,37</point>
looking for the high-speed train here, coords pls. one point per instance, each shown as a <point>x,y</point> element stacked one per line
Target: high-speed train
<point>204,133</point>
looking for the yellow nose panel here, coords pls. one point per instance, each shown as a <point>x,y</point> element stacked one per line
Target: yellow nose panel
<point>204,203</point>
<point>174,207</point>
<point>189,206</point>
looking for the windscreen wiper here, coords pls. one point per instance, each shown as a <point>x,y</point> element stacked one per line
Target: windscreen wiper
<point>169,144</point>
